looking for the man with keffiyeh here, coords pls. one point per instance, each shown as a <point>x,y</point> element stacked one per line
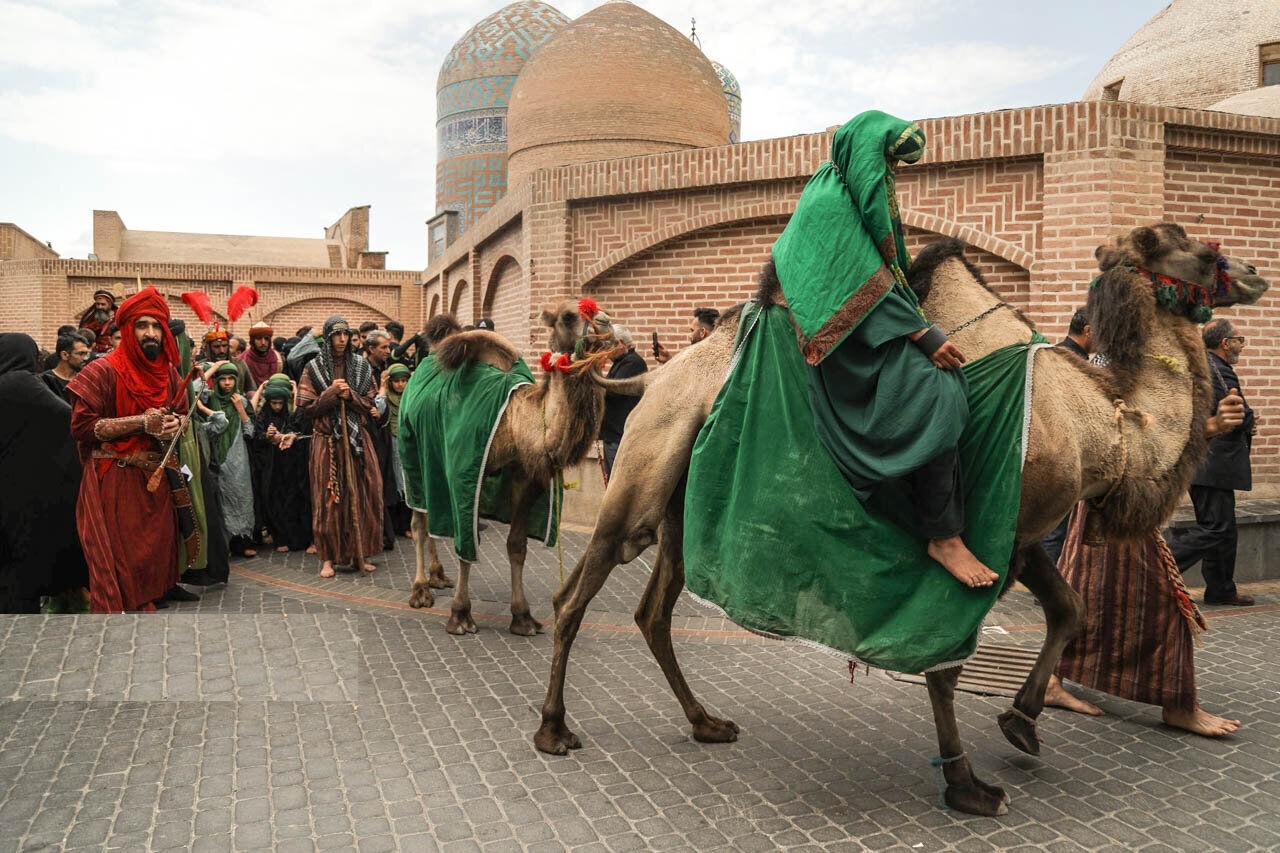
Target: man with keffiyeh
<point>126,410</point>
<point>337,382</point>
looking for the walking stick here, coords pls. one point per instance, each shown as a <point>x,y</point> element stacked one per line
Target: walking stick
<point>350,477</point>
<point>153,482</point>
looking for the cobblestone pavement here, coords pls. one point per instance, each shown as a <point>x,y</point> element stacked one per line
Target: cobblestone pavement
<point>287,712</point>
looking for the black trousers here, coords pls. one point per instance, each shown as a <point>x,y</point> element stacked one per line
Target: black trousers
<point>938,497</point>
<point>1053,542</point>
<point>610,453</point>
<point>1212,540</point>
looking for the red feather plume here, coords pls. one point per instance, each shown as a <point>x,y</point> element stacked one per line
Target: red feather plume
<point>244,298</point>
<point>199,302</point>
<point>587,307</point>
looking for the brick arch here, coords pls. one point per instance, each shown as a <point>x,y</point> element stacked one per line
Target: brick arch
<point>502,269</point>
<point>979,239</point>
<point>459,301</point>
<point>315,310</point>
<point>1006,279</point>
<point>507,300</point>
<point>360,308</point>
<point>435,306</point>
<point>727,216</point>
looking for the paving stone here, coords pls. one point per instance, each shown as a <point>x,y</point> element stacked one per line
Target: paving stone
<point>260,744</point>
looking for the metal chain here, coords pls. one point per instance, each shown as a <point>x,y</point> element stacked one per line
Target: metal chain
<point>968,323</point>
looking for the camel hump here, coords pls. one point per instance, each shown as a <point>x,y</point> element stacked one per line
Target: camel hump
<point>479,345</point>
<point>920,273</point>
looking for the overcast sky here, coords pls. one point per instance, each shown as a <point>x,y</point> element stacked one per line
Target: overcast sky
<point>272,117</point>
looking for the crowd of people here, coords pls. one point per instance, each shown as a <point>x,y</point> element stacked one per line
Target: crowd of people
<point>291,443</point>
<point>158,456</point>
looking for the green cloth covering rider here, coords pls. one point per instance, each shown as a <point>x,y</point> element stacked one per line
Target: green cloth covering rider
<point>888,400</point>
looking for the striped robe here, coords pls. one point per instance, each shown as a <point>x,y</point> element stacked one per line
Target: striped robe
<point>1136,643</point>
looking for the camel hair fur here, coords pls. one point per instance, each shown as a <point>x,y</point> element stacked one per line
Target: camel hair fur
<point>545,428</point>
<point>1127,438</point>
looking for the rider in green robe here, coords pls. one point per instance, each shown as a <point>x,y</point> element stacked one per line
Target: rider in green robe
<point>887,397</point>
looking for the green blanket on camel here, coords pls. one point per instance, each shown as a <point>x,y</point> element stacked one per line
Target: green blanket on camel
<point>775,537</point>
<point>447,419</point>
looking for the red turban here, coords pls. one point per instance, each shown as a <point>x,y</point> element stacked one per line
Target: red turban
<point>141,383</point>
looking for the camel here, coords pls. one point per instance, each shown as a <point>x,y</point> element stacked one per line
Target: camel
<point>544,429</point>
<point>1128,438</point>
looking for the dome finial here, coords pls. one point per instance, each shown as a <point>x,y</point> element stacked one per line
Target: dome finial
<point>693,32</point>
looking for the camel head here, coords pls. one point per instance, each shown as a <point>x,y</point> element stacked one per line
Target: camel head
<point>1165,249</point>
<point>1161,268</point>
<point>579,327</point>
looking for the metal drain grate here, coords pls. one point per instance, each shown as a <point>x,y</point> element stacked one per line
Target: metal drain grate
<point>994,671</point>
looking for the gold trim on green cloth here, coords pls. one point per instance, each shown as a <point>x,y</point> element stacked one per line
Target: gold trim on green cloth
<point>833,331</point>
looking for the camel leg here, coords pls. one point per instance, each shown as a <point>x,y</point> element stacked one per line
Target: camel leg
<point>654,618</point>
<point>421,595</point>
<point>570,603</point>
<point>460,621</point>
<point>1064,615</point>
<point>436,578</point>
<point>522,622</point>
<point>964,792</point>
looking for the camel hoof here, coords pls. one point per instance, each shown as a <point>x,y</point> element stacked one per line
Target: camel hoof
<point>460,623</point>
<point>556,739</point>
<point>715,730</point>
<point>983,800</point>
<point>1019,732</point>
<point>421,597</point>
<point>437,580</point>
<point>524,625</point>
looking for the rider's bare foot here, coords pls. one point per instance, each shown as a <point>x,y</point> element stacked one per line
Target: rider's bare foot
<point>1200,722</point>
<point>311,549</point>
<point>1057,696</point>
<point>957,559</point>
<point>326,570</point>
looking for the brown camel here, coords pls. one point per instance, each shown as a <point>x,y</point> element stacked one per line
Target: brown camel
<point>1133,458</point>
<point>544,429</point>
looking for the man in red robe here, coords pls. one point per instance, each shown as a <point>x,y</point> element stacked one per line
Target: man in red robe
<point>98,317</point>
<point>124,411</point>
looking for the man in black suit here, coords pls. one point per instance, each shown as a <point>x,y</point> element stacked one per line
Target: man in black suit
<point>1213,490</point>
<point>1079,340</point>
<point>626,363</point>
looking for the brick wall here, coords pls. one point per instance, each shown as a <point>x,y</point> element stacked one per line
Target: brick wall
<point>507,304</point>
<point>1033,191</point>
<point>39,296</point>
<point>657,290</point>
<point>1236,200</point>
<point>18,245</point>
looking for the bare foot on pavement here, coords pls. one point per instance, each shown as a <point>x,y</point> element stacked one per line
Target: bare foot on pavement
<point>1200,722</point>
<point>1057,696</point>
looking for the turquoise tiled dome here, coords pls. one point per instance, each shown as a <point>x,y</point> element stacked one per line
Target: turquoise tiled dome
<point>732,99</point>
<point>471,104</point>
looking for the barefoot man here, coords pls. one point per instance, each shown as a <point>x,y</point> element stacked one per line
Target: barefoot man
<point>346,504</point>
<point>1144,651</point>
<point>888,398</point>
